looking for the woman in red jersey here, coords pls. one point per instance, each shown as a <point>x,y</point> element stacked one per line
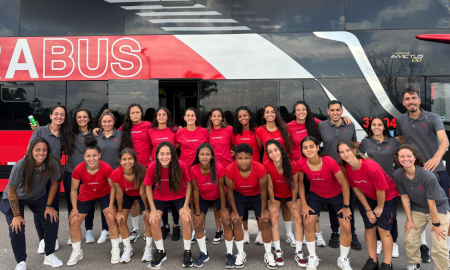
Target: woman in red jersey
<point>220,136</point>
<point>127,187</point>
<point>94,174</point>
<point>328,185</point>
<point>283,184</point>
<point>377,197</point>
<point>172,184</point>
<point>163,129</point>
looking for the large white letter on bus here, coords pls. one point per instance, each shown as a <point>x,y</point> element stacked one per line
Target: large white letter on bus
<point>98,57</point>
<point>58,61</point>
<point>21,46</point>
<point>129,64</point>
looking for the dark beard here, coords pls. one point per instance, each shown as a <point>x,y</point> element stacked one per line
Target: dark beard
<point>412,111</point>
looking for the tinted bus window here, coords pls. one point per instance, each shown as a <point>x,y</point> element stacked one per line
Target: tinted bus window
<point>395,14</point>
<point>70,17</point>
<point>90,95</point>
<point>9,18</point>
<point>15,114</point>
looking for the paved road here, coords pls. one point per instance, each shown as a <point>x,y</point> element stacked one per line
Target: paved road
<point>97,256</point>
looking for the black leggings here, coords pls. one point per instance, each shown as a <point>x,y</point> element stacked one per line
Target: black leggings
<point>175,215</point>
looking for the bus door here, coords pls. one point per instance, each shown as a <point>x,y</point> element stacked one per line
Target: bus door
<point>177,96</point>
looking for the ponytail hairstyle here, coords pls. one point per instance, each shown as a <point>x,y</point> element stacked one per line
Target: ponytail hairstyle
<point>105,112</point>
<point>28,164</point>
<point>210,125</point>
<point>197,119</point>
<point>138,169</point>
<point>91,144</point>
<point>169,123</point>
<point>281,125</point>
<point>175,175</point>
<point>354,150</point>
<point>67,137</point>
<point>237,127</point>
<point>285,163</point>
<point>126,127</point>
<point>314,140</point>
<point>310,124</point>
<point>212,162</point>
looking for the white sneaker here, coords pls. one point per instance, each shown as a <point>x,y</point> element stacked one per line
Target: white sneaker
<point>56,245</point>
<point>344,264</point>
<point>395,253</point>
<point>126,255</point>
<point>246,237</point>
<point>319,240</point>
<point>304,240</point>
<point>134,235</point>
<point>41,248</point>
<point>52,260</point>
<point>104,235</point>
<point>259,240</point>
<point>270,260</point>
<point>148,254</point>
<point>313,262</point>
<point>115,255</point>
<point>240,259</point>
<point>290,239</point>
<point>412,267</point>
<point>380,247</point>
<point>75,257</point>
<point>21,266</point>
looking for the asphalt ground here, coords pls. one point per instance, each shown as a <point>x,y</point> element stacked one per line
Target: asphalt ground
<point>97,256</point>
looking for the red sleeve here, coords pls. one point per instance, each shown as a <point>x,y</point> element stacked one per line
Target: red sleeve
<point>233,142</point>
<point>261,171</point>
<point>178,136</point>
<point>295,168</point>
<point>220,172</point>
<point>317,120</point>
<point>258,133</point>
<point>185,172</point>
<point>349,176</point>
<point>288,130</point>
<point>193,173</point>
<point>150,175</point>
<point>115,176</point>
<point>77,172</point>
<point>332,164</point>
<point>377,177</point>
<point>120,128</point>
<point>107,170</point>
<point>229,171</point>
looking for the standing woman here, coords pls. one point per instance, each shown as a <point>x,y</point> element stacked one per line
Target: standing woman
<point>94,174</point>
<point>127,186</point>
<point>424,202</point>
<point>207,178</point>
<point>283,184</point>
<point>220,136</point>
<point>26,186</point>
<point>172,183</point>
<point>54,133</point>
<point>328,186</point>
<point>380,145</point>
<point>377,197</point>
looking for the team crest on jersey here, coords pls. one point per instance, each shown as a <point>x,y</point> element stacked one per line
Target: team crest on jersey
<point>115,140</point>
<point>346,130</point>
<point>424,124</point>
<point>388,147</point>
<point>422,187</point>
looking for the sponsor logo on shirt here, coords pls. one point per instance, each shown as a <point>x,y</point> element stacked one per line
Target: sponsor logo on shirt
<point>246,186</point>
<point>216,137</point>
<point>165,138</point>
<point>422,187</point>
<point>245,139</point>
<point>277,139</point>
<point>192,140</point>
<point>424,124</point>
<point>167,180</point>
<point>137,131</point>
<point>346,130</point>
<point>207,184</point>
<point>301,131</point>
<point>318,179</point>
<point>361,181</point>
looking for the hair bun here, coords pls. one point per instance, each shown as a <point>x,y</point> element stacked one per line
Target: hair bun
<point>90,140</point>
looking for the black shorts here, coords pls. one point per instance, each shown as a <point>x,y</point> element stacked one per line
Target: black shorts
<point>162,205</point>
<point>386,220</point>
<point>316,203</point>
<point>85,207</point>
<point>241,203</point>
<point>204,204</point>
<point>128,201</point>
<point>288,199</point>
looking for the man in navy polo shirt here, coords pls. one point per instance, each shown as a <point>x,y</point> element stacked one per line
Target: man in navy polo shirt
<point>425,131</point>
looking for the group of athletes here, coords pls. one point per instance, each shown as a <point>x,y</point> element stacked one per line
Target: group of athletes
<point>136,169</point>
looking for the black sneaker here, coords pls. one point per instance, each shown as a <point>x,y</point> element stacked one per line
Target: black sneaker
<point>159,257</point>
<point>355,243</point>
<point>425,253</point>
<point>334,240</point>
<point>370,265</point>
<point>165,231</point>
<point>218,238</point>
<point>386,267</point>
<point>176,233</point>
<point>187,259</point>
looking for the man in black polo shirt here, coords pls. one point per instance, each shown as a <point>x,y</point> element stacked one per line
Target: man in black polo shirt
<point>332,131</point>
<point>425,131</point>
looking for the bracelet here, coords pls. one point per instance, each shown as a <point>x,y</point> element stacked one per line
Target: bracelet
<point>368,210</point>
<point>198,215</point>
<point>17,215</point>
<point>119,210</point>
<point>147,208</point>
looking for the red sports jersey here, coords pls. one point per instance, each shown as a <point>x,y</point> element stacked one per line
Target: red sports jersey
<point>249,138</point>
<point>298,132</point>
<point>94,186</point>
<point>189,142</point>
<point>141,141</point>
<point>156,136</point>
<point>208,190</point>
<point>280,187</point>
<point>118,177</point>
<point>246,186</point>
<point>264,135</point>
<point>221,140</point>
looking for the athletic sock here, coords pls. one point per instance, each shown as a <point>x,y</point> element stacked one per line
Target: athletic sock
<point>298,246</point>
<point>135,222</point>
<point>148,241</point>
<point>202,244</point>
<point>288,225</point>
<point>126,242</point>
<point>159,245</point>
<point>229,245</point>
<point>311,246</point>
<point>423,239</point>
<point>276,244</point>
<point>240,246</point>
<point>268,247</point>
<point>187,244</point>
<point>115,243</point>
<point>448,242</point>
<point>344,251</point>
<point>77,245</point>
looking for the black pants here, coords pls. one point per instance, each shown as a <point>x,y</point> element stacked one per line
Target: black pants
<point>18,242</point>
<point>175,215</point>
<point>37,222</point>
<point>334,219</point>
<point>89,220</point>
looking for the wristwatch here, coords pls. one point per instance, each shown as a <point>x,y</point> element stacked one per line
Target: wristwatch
<point>436,224</point>
<point>48,205</point>
<point>346,206</point>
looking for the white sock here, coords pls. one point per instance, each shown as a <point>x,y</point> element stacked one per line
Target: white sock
<point>288,225</point>
<point>240,246</point>
<point>344,251</point>
<point>115,243</point>
<point>77,245</point>
<point>148,241</point>
<point>276,244</point>
<point>135,222</point>
<point>298,246</point>
<point>126,242</point>
<point>229,245</point>
<point>202,244</point>
<point>311,246</point>
<point>268,247</point>
<point>159,245</point>
<point>423,239</point>
<point>187,244</point>
<point>448,241</point>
